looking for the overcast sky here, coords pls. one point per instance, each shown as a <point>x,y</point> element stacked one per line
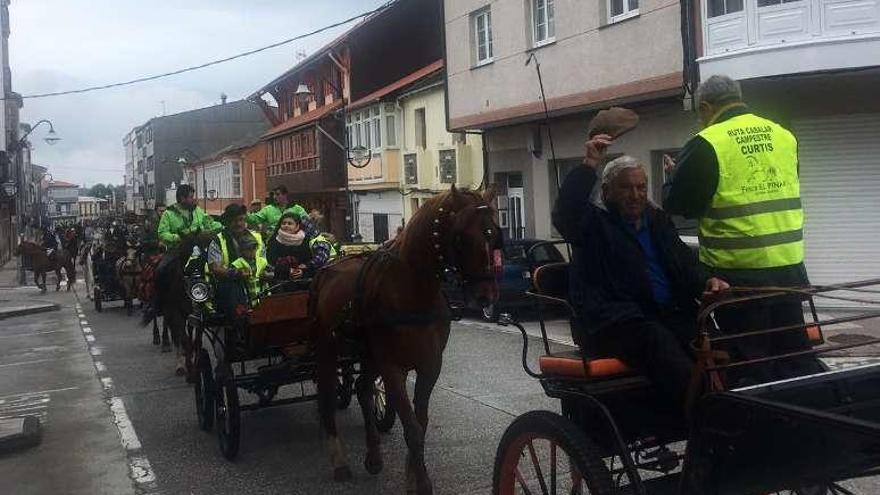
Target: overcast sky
<point>58,45</point>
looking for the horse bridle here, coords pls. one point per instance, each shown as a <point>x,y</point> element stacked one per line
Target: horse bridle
<point>447,253</point>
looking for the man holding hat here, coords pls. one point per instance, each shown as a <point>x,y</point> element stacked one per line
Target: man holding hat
<point>633,281</point>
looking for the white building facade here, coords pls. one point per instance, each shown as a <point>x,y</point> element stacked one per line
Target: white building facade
<point>592,55</point>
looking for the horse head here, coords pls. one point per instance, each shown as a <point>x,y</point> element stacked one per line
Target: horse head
<point>458,230</point>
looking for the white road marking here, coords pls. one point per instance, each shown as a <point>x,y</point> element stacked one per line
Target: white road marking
<point>39,392</point>
<point>29,334</point>
<point>139,466</point>
<point>22,363</point>
<point>127,435</point>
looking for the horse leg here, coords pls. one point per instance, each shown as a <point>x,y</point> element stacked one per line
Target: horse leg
<point>426,378</point>
<point>181,345</point>
<point>326,369</point>
<point>156,340</point>
<point>365,385</point>
<point>417,480</point>
<point>57,278</point>
<point>166,341</point>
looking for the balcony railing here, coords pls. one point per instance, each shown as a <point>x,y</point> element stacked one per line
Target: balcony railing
<point>732,26</point>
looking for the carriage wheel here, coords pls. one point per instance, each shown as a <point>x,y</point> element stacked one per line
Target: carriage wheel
<point>205,391</point>
<point>228,416</point>
<point>344,388</point>
<point>382,411</point>
<point>98,299</point>
<point>543,452</point>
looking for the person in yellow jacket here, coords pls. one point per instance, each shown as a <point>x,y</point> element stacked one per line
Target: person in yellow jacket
<point>253,268</point>
<point>226,248</point>
<point>739,178</point>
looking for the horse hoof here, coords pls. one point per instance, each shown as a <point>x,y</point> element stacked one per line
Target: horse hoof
<point>373,463</point>
<point>342,473</point>
<point>166,348</point>
<point>156,341</point>
<point>180,371</point>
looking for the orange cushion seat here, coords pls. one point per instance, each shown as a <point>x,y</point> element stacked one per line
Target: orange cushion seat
<point>571,364</point>
<point>815,335</point>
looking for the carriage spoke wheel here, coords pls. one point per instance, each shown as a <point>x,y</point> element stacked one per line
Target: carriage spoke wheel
<point>382,410</point>
<point>227,414</point>
<point>543,452</point>
<point>204,391</point>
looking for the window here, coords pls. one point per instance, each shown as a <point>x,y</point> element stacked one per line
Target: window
<point>377,128</point>
<point>723,7</point>
<point>150,135</point>
<point>459,138</point>
<point>543,22</point>
<point>421,128</point>
<point>410,169</point>
<point>236,180</point>
<point>367,134</point>
<point>150,163</point>
<point>482,22</point>
<point>390,130</point>
<point>619,10</point>
<point>447,167</point>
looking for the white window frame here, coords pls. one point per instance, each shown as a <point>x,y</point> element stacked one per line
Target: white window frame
<point>486,14</point>
<point>368,124</point>
<point>626,14</point>
<point>549,22</point>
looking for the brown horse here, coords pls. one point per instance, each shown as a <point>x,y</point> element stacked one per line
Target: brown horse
<point>391,304</point>
<point>40,264</point>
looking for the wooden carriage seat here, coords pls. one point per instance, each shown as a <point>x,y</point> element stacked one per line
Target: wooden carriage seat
<point>551,281</point>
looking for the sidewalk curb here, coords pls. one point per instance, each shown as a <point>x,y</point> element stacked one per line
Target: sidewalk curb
<point>31,310</point>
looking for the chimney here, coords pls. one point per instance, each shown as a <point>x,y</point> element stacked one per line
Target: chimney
<point>223,98</point>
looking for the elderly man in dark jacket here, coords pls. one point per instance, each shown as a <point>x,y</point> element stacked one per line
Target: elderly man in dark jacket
<point>634,282</point>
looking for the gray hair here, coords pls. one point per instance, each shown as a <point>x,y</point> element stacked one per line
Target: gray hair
<point>618,165</point>
<point>719,90</point>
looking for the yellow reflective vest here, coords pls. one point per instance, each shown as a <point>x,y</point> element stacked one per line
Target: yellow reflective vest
<point>755,219</point>
<point>224,249</point>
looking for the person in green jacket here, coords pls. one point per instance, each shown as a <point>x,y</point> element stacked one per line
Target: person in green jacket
<point>266,220</point>
<point>253,267</point>
<point>184,218</point>
<point>178,220</point>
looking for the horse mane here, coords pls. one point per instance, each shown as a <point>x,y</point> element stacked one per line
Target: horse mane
<point>416,244</point>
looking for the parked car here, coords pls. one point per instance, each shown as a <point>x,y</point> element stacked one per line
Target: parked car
<point>516,276</point>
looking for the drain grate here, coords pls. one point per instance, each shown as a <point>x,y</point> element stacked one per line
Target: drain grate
<point>850,338</point>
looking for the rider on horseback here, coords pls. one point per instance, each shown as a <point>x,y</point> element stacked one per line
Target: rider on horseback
<point>181,219</point>
<point>50,242</point>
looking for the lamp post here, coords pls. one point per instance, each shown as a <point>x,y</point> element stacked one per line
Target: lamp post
<point>11,188</point>
<point>357,157</point>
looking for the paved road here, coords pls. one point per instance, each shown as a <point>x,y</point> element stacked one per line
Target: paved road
<point>46,370</point>
<point>481,390</point>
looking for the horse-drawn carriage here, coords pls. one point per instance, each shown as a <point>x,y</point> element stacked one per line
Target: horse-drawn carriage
<point>260,353</point>
<point>114,264</point>
<point>802,435</point>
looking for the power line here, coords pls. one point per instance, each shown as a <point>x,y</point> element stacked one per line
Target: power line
<point>207,64</point>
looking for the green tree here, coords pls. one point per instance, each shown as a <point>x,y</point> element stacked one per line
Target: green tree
<point>100,191</point>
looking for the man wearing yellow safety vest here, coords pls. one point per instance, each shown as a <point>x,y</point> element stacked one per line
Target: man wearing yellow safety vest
<point>739,178</point>
<point>225,249</point>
